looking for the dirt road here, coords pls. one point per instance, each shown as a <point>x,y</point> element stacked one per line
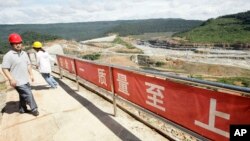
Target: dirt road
<point>67,115</point>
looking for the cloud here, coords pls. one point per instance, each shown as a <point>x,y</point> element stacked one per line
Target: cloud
<point>55,11</point>
<point>9,3</point>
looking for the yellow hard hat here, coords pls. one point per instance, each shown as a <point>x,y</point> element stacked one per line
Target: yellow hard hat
<point>37,44</point>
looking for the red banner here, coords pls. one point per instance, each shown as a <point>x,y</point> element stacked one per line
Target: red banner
<point>207,112</point>
<point>66,63</point>
<point>97,74</point>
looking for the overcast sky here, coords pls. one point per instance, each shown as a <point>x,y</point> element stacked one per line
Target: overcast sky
<point>64,11</point>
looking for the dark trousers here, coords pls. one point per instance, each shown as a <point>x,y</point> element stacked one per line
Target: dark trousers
<point>26,98</point>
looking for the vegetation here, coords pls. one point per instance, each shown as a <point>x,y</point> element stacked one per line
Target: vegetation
<point>196,76</point>
<point>118,40</point>
<point>4,47</point>
<point>89,30</point>
<point>150,36</point>
<point>28,38</point>
<point>159,64</point>
<point>240,81</point>
<point>94,56</point>
<point>233,29</point>
<point>130,52</point>
<point>137,27</point>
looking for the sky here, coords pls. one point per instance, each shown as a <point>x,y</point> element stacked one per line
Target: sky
<point>68,11</point>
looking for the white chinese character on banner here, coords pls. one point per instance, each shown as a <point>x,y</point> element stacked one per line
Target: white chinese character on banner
<point>122,83</point>
<point>155,99</point>
<point>102,76</point>
<point>211,123</point>
<point>73,66</point>
<point>66,64</point>
<point>81,69</point>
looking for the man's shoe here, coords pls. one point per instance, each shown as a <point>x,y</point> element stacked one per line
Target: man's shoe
<point>35,113</point>
<point>52,88</point>
<point>24,111</point>
<point>21,112</point>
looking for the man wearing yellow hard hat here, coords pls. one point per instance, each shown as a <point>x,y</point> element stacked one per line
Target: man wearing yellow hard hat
<point>43,63</point>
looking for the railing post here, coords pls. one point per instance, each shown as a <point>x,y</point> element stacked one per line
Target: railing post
<point>77,83</point>
<point>112,90</point>
<point>59,67</point>
<point>60,70</point>
<point>77,79</point>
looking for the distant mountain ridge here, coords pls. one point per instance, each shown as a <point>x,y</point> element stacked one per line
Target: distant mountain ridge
<point>89,30</point>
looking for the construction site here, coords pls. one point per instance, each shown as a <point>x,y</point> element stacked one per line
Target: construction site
<point>82,109</point>
<point>199,62</point>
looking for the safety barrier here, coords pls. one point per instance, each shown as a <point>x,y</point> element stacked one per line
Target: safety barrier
<point>205,108</point>
<point>207,112</point>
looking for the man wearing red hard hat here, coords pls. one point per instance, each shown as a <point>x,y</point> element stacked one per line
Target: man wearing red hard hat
<point>17,68</point>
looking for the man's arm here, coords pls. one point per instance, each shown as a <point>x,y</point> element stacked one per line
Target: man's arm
<point>12,81</point>
<point>37,61</point>
<point>29,67</point>
<point>30,72</point>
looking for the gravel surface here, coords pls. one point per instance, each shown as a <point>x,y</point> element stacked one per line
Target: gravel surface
<point>241,58</point>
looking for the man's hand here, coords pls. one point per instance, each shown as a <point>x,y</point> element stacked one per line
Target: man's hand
<point>32,78</point>
<point>30,73</point>
<point>12,82</point>
<point>7,73</point>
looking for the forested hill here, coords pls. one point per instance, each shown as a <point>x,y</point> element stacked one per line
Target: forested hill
<point>229,29</point>
<point>88,30</point>
<point>153,25</point>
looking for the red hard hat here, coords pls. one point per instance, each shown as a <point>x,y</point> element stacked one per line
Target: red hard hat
<point>15,38</point>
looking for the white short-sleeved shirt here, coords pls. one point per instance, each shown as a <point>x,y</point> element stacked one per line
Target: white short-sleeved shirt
<point>43,62</point>
<point>17,63</point>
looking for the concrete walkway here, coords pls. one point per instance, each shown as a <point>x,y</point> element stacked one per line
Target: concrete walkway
<point>68,115</point>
